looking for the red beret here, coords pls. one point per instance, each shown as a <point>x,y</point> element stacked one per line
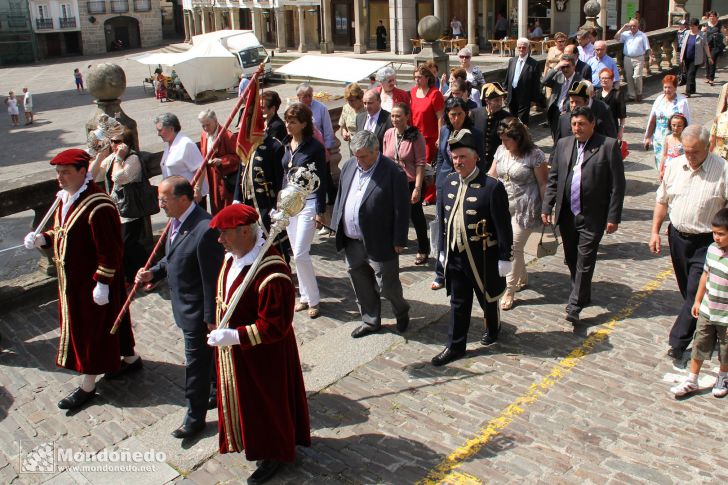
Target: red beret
<point>233,216</point>
<point>72,156</point>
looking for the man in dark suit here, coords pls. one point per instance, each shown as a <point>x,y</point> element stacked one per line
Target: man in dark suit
<point>585,191</point>
<point>522,81</point>
<point>478,241</point>
<point>371,219</point>
<point>486,119</point>
<point>191,263</point>
<point>374,119</point>
<point>581,67</point>
<point>580,96</point>
<point>560,79</point>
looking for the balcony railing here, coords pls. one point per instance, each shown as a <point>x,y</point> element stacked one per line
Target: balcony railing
<point>43,24</point>
<point>96,6</point>
<point>142,5</point>
<point>69,23</point>
<point>119,6</point>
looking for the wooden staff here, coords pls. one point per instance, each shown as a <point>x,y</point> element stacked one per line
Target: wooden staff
<point>195,179</point>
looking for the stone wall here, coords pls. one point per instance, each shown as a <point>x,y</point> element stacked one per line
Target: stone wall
<point>93,37</point>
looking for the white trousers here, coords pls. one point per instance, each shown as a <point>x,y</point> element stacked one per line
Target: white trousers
<point>300,233</point>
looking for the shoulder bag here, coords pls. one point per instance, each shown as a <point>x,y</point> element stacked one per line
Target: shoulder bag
<point>547,248</point>
<point>136,199</point>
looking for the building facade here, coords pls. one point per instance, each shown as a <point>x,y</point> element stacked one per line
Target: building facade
<point>327,24</point>
<point>17,43</point>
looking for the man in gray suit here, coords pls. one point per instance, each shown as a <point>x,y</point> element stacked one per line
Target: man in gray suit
<point>191,263</point>
<point>560,79</point>
<point>585,191</point>
<point>374,119</point>
<point>371,219</point>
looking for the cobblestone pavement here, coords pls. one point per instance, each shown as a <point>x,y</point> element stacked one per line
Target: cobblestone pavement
<point>544,405</point>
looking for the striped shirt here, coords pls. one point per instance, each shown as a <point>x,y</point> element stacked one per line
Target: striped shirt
<point>714,306</point>
<point>694,196</point>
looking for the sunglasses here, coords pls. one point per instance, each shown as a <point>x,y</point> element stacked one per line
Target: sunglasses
<point>464,57</point>
<point>116,142</point>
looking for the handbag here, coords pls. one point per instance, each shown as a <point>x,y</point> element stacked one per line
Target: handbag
<point>136,199</point>
<point>547,248</point>
<point>624,147</point>
<point>682,76</point>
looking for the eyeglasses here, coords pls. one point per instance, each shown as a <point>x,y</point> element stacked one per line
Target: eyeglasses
<point>464,57</point>
<point>116,142</point>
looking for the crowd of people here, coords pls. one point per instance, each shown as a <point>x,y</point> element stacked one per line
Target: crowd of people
<point>463,141</point>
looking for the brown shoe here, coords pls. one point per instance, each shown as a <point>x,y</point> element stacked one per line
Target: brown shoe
<point>313,311</point>
<point>300,306</point>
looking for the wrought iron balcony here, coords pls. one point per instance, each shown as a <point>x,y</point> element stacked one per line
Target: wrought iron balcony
<point>44,24</point>
<point>96,6</point>
<point>68,23</point>
<point>119,6</point>
<point>142,5</point>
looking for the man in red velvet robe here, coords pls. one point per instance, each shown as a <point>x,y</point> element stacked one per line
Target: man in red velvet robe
<point>222,168</point>
<point>88,252</point>
<point>262,403</point>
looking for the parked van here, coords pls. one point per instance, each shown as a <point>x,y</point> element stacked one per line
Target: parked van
<point>244,45</point>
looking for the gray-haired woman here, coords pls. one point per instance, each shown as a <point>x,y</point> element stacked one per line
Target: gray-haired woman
<point>390,93</point>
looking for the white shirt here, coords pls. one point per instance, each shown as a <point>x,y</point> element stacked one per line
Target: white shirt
<point>181,220</point>
<point>68,199</point>
<point>240,263</point>
<point>182,157</point>
<point>634,45</point>
<point>519,67</point>
<point>371,122</point>
<point>211,139</point>
<point>354,199</point>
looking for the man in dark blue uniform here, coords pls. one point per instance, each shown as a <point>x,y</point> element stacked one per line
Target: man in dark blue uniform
<point>478,240</point>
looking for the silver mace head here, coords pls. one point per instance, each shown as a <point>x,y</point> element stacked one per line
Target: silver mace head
<point>302,182</point>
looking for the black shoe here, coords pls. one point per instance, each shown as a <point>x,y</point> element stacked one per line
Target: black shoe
<point>212,402</point>
<point>488,339</point>
<point>572,317</point>
<point>402,323</point>
<point>264,472</point>
<point>364,330</point>
<point>447,356</point>
<point>675,353</point>
<point>125,368</point>
<point>76,399</point>
<point>188,430</point>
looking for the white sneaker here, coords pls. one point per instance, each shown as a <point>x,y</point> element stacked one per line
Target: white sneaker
<point>720,388</point>
<point>324,231</point>
<point>685,388</point>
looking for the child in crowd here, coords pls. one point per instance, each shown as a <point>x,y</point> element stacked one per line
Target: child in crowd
<point>12,103</point>
<point>673,143</point>
<point>712,313</point>
<point>79,80</point>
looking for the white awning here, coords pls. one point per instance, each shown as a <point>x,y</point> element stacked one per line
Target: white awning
<point>332,68</point>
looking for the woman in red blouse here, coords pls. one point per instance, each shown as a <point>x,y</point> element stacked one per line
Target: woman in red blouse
<point>427,106</point>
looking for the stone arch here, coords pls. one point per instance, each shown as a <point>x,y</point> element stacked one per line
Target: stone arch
<point>122,32</point>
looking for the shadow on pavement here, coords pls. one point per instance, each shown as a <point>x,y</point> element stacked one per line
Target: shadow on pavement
<point>625,251</point>
<point>332,410</point>
<point>6,401</point>
<point>362,458</point>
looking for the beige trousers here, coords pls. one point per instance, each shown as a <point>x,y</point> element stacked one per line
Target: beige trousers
<point>633,69</point>
<point>518,275</point>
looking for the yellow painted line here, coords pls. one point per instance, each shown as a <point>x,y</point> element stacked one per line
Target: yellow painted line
<point>446,471</point>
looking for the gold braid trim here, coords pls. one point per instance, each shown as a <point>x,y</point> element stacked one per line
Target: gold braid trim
<point>271,277</point>
<point>101,206</point>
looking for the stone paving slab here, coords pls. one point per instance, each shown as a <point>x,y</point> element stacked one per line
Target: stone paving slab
<point>380,413</point>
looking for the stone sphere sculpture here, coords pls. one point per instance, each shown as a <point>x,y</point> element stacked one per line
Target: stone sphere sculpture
<point>106,81</point>
<point>429,28</point>
<point>592,8</point>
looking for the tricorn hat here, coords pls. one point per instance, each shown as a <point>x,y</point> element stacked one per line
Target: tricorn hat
<point>579,88</point>
<point>492,90</point>
<point>462,139</point>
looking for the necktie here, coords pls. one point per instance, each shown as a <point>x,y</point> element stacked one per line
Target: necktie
<point>576,180</point>
<point>517,74</point>
<point>174,229</point>
<point>562,96</point>
<point>370,124</point>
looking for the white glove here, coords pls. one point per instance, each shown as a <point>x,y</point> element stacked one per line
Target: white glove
<point>504,267</point>
<point>221,337</point>
<point>32,241</point>
<point>101,294</point>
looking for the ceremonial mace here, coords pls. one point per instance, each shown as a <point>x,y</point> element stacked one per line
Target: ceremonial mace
<point>302,182</point>
<point>253,84</point>
<point>40,227</point>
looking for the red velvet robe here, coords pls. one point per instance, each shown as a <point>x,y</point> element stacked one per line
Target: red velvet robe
<point>220,197</point>
<point>262,405</point>
<point>87,248</point>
